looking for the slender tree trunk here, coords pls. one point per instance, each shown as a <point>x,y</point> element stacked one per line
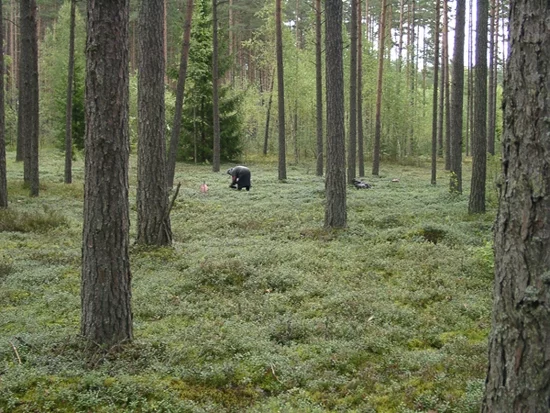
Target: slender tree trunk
<point>352,148</point>
<point>471,75</point>
<point>215,92</point>
<point>412,73</point>
<point>434,103</point>
<point>319,88</point>
<point>16,64</point>
<point>518,375</point>
<point>360,132</point>
<point>378,121</point>
<point>69,104</point>
<point>281,90</point>
<point>106,288</point>
<point>3,174</point>
<point>153,221</point>
<point>447,88</point>
<point>180,88</point>
<point>296,81</point>
<point>231,44</point>
<point>479,138</point>
<point>490,99</point>
<point>268,114</point>
<point>457,92</point>
<point>28,94</point>
<point>400,41</point>
<point>335,184</point>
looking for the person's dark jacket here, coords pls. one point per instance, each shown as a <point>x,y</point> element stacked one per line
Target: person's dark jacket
<point>240,177</point>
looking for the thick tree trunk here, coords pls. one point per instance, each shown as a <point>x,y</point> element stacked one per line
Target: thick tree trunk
<point>105,290</point>
<point>280,89</point>
<point>518,376</point>
<point>3,175</point>
<point>28,94</point>
<point>216,150</point>
<point>335,184</point>
<point>153,221</point>
<point>319,88</point>
<point>479,137</point>
<point>69,105</point>
<point>180,89</point>
<point>457,92</point>
<point>378,120</point>
<point>352,149</point>
<point>434,102</point>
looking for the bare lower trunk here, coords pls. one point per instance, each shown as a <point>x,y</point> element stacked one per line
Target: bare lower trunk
<point>518,376</point>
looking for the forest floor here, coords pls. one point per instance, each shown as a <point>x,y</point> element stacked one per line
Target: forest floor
<point>256,307</point>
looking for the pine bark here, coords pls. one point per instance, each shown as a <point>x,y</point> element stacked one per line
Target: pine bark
<point>106,280</point>
<point>457,99</point>
<point>180,89</point>
<point>69,104</point>
<point>153,221</point>
<point>518,376</point>
<point>280,89</point>
<point>3,174</point>
<point>28,95</point>
<point>491,113</point>
<point>378,116</point>
<point>479,137</point>
<point>352,148</point>
<point>216,150</point>
<point>434,102</point>
<point>319,88</point>
<point>335,184</point>
<point>268,114</point>
<point>360,132</point>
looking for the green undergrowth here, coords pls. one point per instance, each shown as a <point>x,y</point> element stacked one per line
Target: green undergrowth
<point>256,307</point>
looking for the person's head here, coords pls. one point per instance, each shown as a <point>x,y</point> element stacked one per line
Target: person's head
<point>229,171</point>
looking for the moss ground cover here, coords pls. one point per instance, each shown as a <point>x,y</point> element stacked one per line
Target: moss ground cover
<point>256,307</point>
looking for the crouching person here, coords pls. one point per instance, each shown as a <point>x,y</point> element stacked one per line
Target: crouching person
<point>240,177</point>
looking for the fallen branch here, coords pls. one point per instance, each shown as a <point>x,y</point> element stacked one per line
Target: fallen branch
<point>16,352</point>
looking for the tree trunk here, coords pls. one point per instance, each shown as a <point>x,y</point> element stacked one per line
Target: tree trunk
<point>153,221</point>
<point>434,102</point>
<point>479,137</point>
<point>470,87</point>
<point>446,87</point>
<point>518,376</point>
<point>69,105</point>
<point>281,90</point>
<point>319,87</point>
<point>3,174</point>
<point>400,41</point>
<point>381,38</point>
<point>360,132</point>
<point>491,113</point>
<point>268,114</point>
<point>180,88</point>
<point>352,149</point>
<point>231,44</point>
<point>28,94</point>
<point>335,184</point>
<point>106,288</point>
<point>215,92</point>
<point>457,92</point>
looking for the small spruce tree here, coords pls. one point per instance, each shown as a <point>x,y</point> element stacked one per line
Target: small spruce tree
<point>197,123</point>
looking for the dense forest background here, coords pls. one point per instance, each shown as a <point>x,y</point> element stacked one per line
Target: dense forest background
<point>247,56</point>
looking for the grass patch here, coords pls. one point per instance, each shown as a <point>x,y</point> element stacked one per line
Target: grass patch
<point>13,220</point>
<point>256,307</point>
